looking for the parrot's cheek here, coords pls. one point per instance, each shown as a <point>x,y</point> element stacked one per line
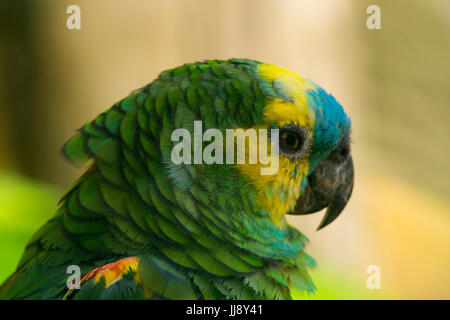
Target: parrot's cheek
<point>329,185</point>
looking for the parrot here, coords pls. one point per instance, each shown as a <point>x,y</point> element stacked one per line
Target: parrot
<point>136,225</point>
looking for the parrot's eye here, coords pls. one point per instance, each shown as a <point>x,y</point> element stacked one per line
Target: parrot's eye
<point>290,140</point>
<point>293,142</point>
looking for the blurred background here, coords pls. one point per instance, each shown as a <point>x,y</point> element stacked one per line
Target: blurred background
<point>394,83</point>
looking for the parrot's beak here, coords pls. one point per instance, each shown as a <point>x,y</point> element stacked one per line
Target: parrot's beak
<point>329,185</point>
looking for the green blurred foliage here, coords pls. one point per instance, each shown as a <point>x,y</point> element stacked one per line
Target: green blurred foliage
<point>24,206</point>
<point>333,283</point>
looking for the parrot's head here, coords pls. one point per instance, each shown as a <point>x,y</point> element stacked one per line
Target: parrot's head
<point>315,164</point>
<point>314,168</point>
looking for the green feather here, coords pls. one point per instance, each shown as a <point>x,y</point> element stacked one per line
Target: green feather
<point>75,150</point>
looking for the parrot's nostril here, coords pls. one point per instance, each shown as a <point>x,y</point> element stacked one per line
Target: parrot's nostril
<point>341,153</point>
<point>344,152</point>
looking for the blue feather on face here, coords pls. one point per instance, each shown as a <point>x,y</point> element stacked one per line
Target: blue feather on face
<point>331,125</point>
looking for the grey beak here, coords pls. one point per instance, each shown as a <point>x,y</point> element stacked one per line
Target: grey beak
<point>329,185</point>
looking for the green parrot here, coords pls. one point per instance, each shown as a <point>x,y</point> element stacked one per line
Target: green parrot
<point>137,225</point>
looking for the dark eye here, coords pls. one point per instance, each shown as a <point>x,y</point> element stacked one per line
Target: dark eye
<point>290,141</point>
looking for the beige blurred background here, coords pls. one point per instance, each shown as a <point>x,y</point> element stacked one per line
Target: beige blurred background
<point>393,82</point>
